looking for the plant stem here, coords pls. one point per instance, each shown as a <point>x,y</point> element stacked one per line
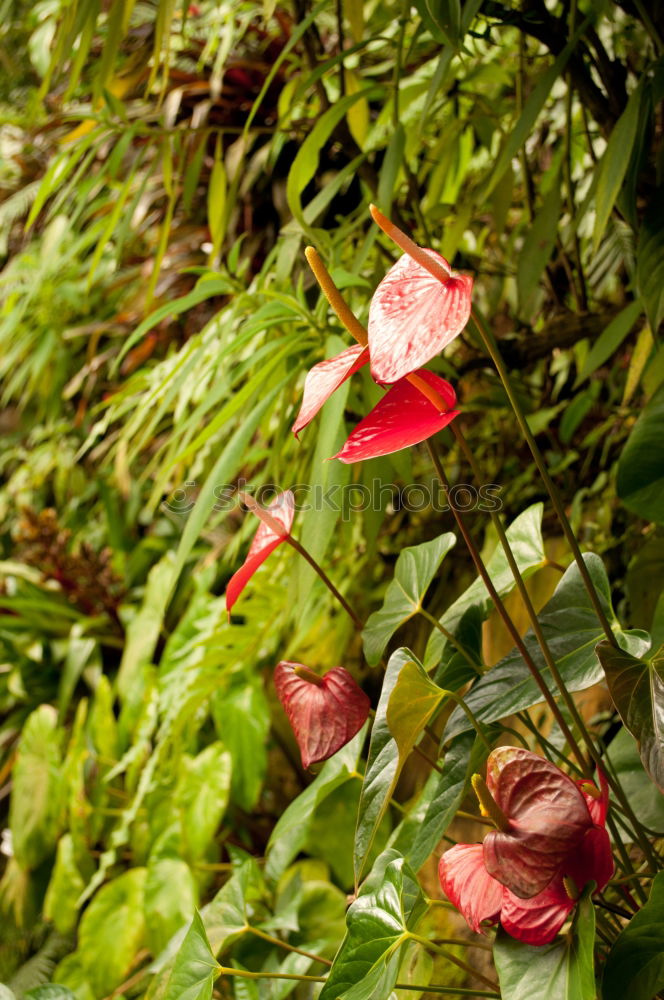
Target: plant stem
<point>502,611</point>
<point>288,947</point>
<point>293,542</point>
<point>496,357</point>
<point>430,946</point>
<point>527,603</point>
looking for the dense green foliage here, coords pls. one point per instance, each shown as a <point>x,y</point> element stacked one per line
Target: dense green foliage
<point>162,167</point>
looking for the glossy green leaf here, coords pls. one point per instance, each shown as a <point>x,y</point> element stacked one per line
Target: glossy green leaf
<point>405,678</point>
<point>415,569</point>
<point>562,970</point>
<point>112,931</point>
<point>635,965</point>
<point>615,161</point>
<point>464,757</point>
<point>378,922</point>
<point>37,801</point>
<point>644,797</point>
<point>572,631</point>
<point>525,538</point>
<point>640,480</point>
<point>195,968</point>
<point>637,688</point>
<point>242,719</point>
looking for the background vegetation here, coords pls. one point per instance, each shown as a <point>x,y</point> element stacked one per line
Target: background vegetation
<point>162,167</point>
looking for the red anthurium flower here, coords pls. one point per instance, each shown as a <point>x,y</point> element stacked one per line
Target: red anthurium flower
<point>271,533</point>
<point>414,315</point>
<point>324,378</point>
<point>402,418</point>
<point>468,883</point>
<point>325,712</point>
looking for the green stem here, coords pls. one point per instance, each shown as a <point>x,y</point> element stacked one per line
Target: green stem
<point>502,611</point>
<point>528,605</point>
<point>496,357</point>
<point>288,947</point>
<point>223,970</point>
<point>452,639</point>
<point>430,946</point>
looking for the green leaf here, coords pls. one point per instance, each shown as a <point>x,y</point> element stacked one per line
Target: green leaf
<point>225,917</point>
<point>378,922</point>
<point>562,970</point>
<point>202,795</point>
<point>37,801</point>
<point>644,797</point>
<point>49,991</point>
<point>637,689</point>
<point>306,161</point>
<point>640,480</point>
<point>615,161</point>
<point>143,630</point>
<point>537,246</point>
<point>242,719</point>
<point>195,968</point>
<point>405,679</point>
<point>635,965</point>
<point>650,262</point>
<point>610,340</point>
<point>415,569</point>
<point>572,631</point>
<point>112,931</point>
<point>170,900</point>
<point>442,18</point>
<point>65,887</point>
<point>525,538</point>
<point>464,757</point>
<point>291,830</point>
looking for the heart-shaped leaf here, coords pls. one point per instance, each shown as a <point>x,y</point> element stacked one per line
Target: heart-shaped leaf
<point>402,418</point>
<point>415,569</point>
<point>195,968</point>
<point>571,628</point>
<point>379,923</point>
<point>640,481</point>
<point>637,688</point>
<point>547,814</point>
<point>562,970</point>
<point>635,965</point>
<point>324,712</point>
<point>388,750</point>
<point>413,316</point>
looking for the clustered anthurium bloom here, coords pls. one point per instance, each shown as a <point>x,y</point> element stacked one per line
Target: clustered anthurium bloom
<point>412,317</point>
<point>550,842</point>
<point>275,526</point>
<point>324,712</point>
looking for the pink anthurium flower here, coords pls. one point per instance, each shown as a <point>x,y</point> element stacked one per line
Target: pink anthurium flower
<point>414,315</point>
<point>464,872</point>
<point>324,378</point>
<point>324,712</point>
<point>275,526</point>
<point>402,418</point>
